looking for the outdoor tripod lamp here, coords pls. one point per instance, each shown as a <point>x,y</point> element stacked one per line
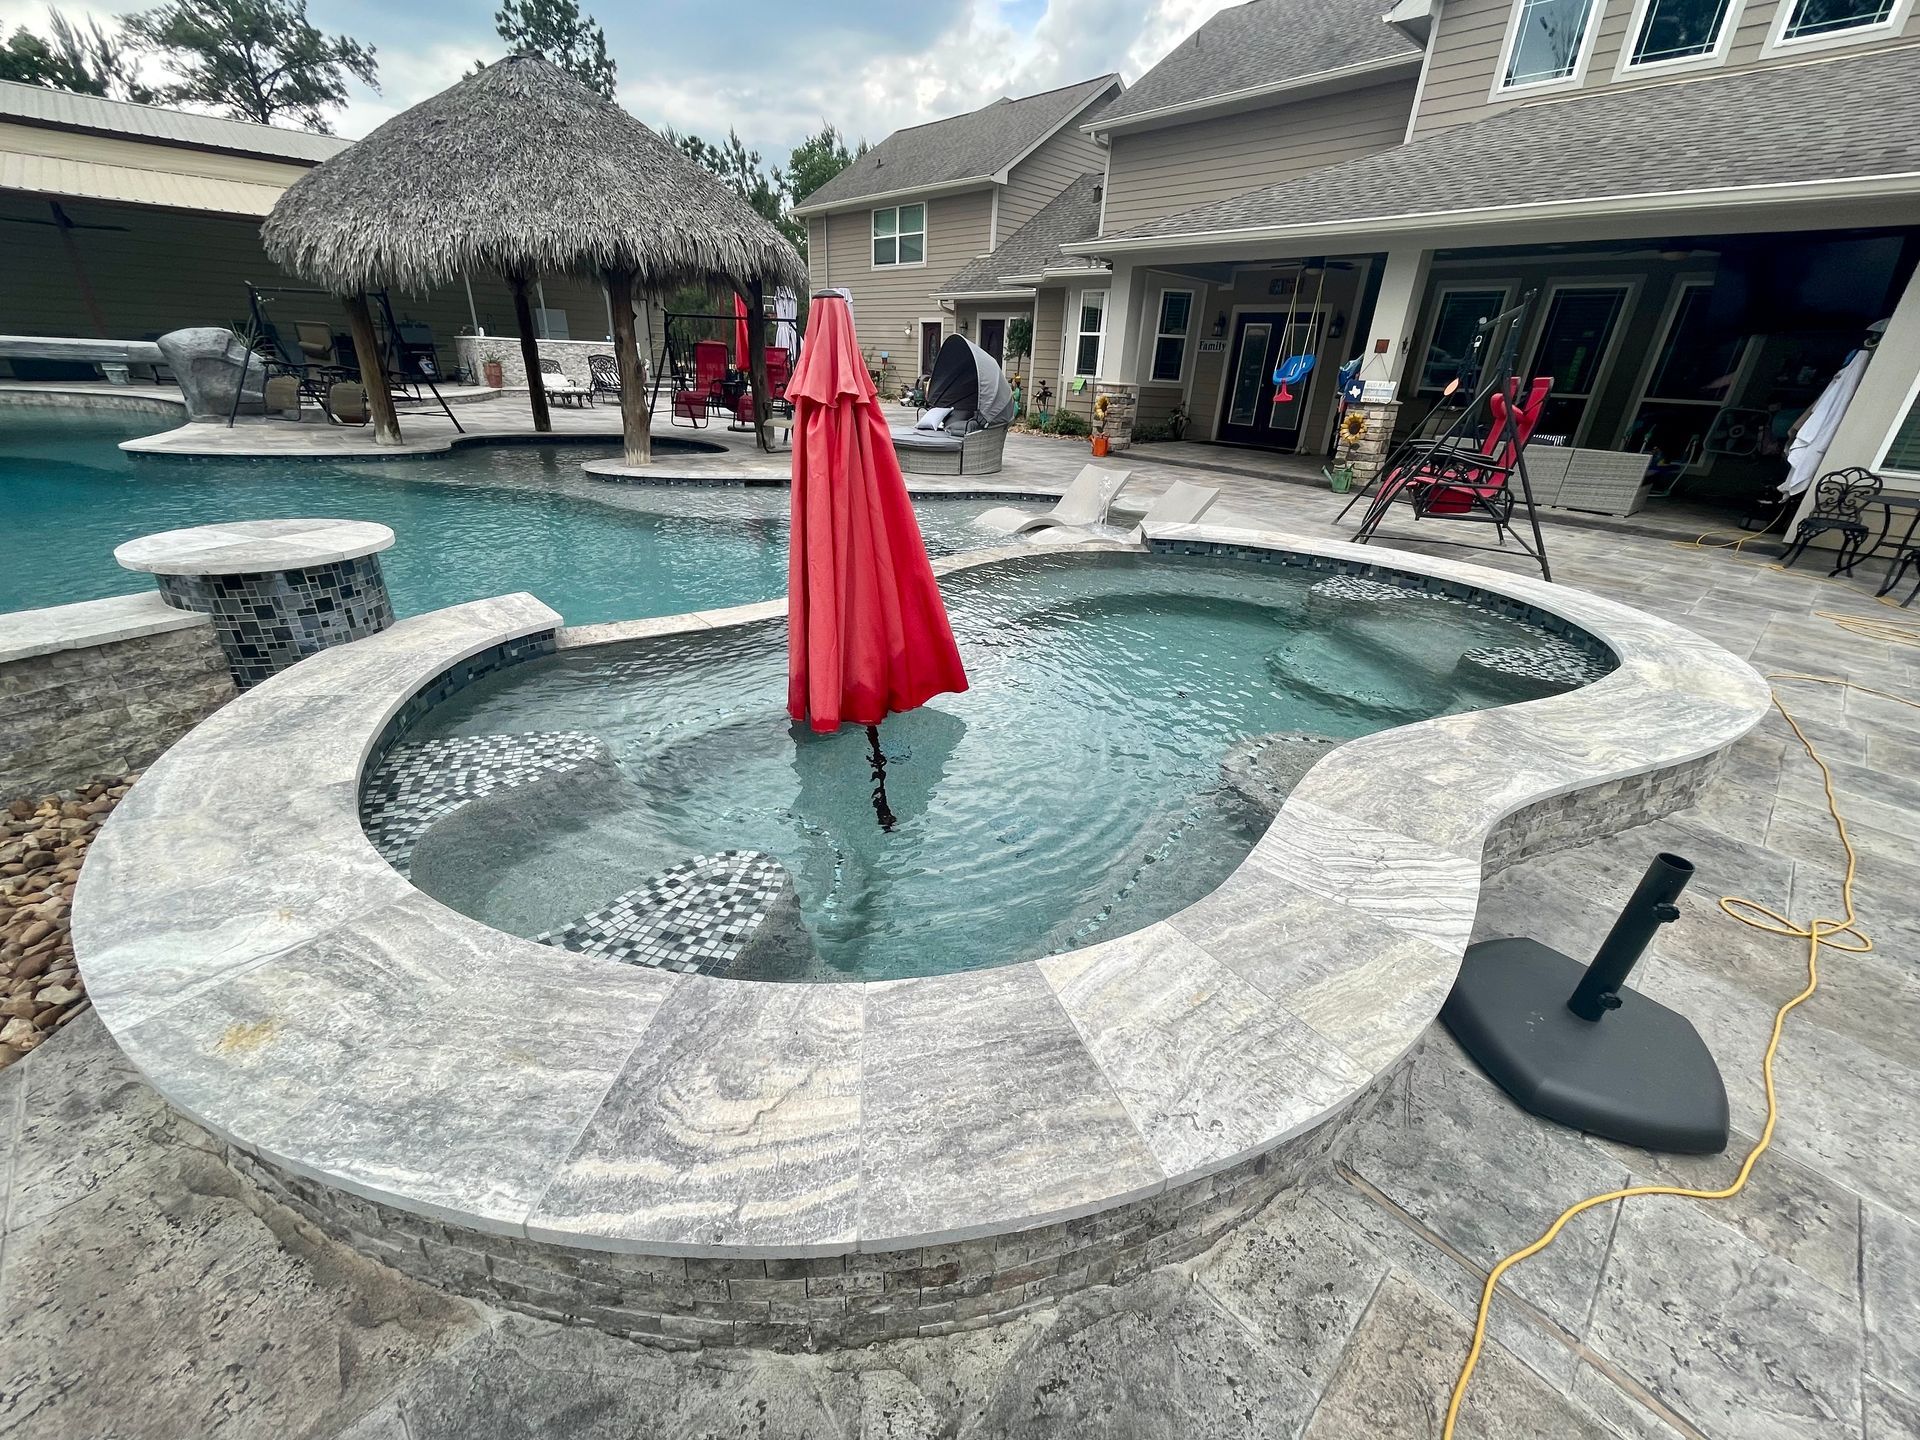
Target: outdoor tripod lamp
<point>1572,1043</point>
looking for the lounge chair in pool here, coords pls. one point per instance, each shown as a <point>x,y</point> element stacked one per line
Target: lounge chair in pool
<point>1180,504</point>
<point>1084,504</point>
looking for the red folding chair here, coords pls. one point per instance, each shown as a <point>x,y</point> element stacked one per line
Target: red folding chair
<point>1462,481</point>
<point>710,373</point>
<point>779,370</point>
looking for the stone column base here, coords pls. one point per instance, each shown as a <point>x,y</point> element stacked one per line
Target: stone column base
<point>1122,400</point>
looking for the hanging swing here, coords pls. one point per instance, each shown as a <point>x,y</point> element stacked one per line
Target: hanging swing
<point>1292,369</point>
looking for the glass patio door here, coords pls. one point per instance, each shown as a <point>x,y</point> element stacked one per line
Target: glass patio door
<point>1253,413</point>
<point>1574,342</point>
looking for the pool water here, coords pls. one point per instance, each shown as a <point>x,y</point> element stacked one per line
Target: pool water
<point>1073,793</point>
<point>485,520</point>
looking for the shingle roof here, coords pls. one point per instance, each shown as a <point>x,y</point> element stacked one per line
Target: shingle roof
<point>961,147</point>
<point>1854,117</point>
<point>1264,43</point>
<point>1073,214</point>
<point>34,105</point>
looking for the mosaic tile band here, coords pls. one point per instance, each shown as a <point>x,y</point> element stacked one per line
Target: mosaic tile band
<point>266,622</point>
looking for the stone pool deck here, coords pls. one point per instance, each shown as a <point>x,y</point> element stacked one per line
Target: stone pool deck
<point>146,1293</point>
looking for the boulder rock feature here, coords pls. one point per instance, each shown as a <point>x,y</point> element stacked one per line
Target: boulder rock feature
<point>208,361</point>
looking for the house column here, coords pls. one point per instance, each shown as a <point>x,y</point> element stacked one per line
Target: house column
<point>1120,352</point>
<point>1383,363</point>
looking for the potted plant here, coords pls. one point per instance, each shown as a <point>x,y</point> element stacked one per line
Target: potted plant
<point>1101,405</point>
<point>490,364</point>
<point>1353,429</point>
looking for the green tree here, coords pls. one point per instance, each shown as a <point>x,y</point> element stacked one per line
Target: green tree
<point>90,61</point>
<point>557,30</point>
<point>259,60</point>
<point>817,159</point>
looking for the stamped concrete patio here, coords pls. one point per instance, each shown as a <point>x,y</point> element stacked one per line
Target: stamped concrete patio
<point>148,1293</point>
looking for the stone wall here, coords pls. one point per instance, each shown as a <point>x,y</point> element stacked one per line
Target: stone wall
<point>1561,821</point>
<point>822,1302</point>
<point>100,688</point>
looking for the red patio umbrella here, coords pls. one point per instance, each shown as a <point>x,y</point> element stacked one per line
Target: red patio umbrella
<point>739,332</point>
<point>867,633</point>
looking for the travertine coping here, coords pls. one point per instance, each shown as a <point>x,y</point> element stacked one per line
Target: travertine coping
<point>253,547</point>
<point>86,623</point>
<point>280,984</point>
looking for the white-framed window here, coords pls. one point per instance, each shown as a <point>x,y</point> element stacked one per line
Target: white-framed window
<point>1818,24</point>
<point>1547,43</point>
<point>1456,321</point>
<point>1673,32</point>
<point>900,236</point>
<point>1900,454</point>
<point>1090,331</point>
<point>1174,322</point>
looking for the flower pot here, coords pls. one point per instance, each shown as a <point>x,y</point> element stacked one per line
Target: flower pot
<point>491,369</point>
<point>1099,445</point>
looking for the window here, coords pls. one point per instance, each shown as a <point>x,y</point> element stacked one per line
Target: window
<point>1572,349</point>
<point>900,235</point>
<point>1455,323</point>
<point>1547,41</point>
<point>1679,30</point>
<point>1903,448</point>
<point>1689,380</point>
<point>1810,18</point>
<point>1093,323</point>
<point>1170,336</point>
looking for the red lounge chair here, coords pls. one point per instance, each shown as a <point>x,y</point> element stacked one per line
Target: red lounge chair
<point>1460,481</point>
<point>710,373</point>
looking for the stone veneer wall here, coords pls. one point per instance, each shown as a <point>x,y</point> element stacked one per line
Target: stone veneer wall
<point>1561,821</point>
<point>817,1303</point>
<point>77,714</point>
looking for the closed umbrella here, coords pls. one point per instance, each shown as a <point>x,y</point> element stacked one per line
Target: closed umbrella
<point>739,333</point>
<point>867,633</point>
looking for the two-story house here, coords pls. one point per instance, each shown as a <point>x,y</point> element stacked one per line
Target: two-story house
<point>899,223</point>
<point>1709,200</point>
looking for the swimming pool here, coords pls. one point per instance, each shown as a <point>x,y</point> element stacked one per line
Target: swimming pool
<point>485,520</point>
<point>1077,791</point>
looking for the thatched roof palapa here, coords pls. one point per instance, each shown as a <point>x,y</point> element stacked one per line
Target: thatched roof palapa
<point>520,168</point>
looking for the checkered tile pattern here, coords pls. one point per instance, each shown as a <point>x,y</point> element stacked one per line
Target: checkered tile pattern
<point>697,917</point>
<point>266,622</point>
<point>419,781</point>
<point>1354,587</point>
<point>1552,662</point>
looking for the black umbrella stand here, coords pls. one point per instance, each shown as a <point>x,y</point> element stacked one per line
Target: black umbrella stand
<point>882,811</point>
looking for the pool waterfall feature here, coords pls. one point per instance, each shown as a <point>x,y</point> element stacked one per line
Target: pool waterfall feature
<point>701,1160</point>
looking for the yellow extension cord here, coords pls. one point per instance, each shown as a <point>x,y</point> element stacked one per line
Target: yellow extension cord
<point>1817,932</point>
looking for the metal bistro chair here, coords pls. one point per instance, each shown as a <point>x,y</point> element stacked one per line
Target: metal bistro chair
<point>1840,500</point>
<point>605,370</point>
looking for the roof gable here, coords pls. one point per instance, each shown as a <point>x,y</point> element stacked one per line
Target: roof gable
<point>1265,44</point>
<point>1073,214</point>
<point>974,146</point>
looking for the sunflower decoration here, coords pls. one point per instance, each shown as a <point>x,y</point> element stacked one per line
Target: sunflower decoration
<point>1353,429</point>
<point>1101,405</point>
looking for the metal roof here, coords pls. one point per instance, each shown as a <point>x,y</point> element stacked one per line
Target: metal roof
<point>975,146</point>
<point>33,105</point>
<point>58,176</point>
<point>1266,44</point>
<point>1772,128</point>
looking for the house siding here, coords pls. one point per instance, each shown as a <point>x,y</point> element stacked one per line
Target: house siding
<point>1161,172</point>
<point>1471,34</point>
<point>1044,174</point>
<point>889,303</point>
<point>225,254</point>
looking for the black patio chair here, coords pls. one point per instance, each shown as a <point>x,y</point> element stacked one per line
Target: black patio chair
<point>316,378</point>
<point>605,371</point>
<point>1840,500</point>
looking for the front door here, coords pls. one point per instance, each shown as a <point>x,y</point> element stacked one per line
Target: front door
<point>929,344</point>
<point>1257,411</point>
<point>993,338</point>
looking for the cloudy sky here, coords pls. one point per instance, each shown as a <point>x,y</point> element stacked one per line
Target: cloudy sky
<point>869,66</point>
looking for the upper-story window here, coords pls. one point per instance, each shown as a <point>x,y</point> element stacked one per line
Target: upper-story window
<point>1672,30</point>
<point>900,235</point>
<point>1810,19</point>
<point>1548,43</point>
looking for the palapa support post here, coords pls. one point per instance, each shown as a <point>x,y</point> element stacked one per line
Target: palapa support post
<point>373,371</point>
<point>1604,1059</point>
<point>757,362</point>
<point>636,417</point>
<point>530,351</point>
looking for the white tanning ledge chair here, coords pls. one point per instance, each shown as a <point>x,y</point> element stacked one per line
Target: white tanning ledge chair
<point>1180,504</point>
<point>1085,503</point>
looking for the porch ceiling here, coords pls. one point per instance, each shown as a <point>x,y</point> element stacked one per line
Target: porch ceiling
<point>1846,127</point>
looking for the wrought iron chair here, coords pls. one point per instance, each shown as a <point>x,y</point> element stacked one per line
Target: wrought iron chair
<point>1840,500</point>
<point>1908,559</point>
<point>606,375</point>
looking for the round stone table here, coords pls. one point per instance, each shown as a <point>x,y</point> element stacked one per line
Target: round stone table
<point>278,590</point>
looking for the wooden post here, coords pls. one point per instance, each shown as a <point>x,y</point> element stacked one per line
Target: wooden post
<point>635,411</point>
<point>530,353</point>
<point>373,370</point>
<point>757,363</point>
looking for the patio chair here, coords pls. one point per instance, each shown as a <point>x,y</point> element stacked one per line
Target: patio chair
<point>1457,479</point>
<point>284,356</point>
<point>779,371</point>
<point>1840,500</point>
<point>710,373</point>
<point>562,386</point>
<point>1181,503</point>
<point>689,407</point>
<point>965,431</point>
<point>605,370</point>
<point>1087,499</point>
<point>1907,559</point>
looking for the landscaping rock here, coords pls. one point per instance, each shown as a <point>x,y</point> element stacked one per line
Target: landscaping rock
<point>208,361</point>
